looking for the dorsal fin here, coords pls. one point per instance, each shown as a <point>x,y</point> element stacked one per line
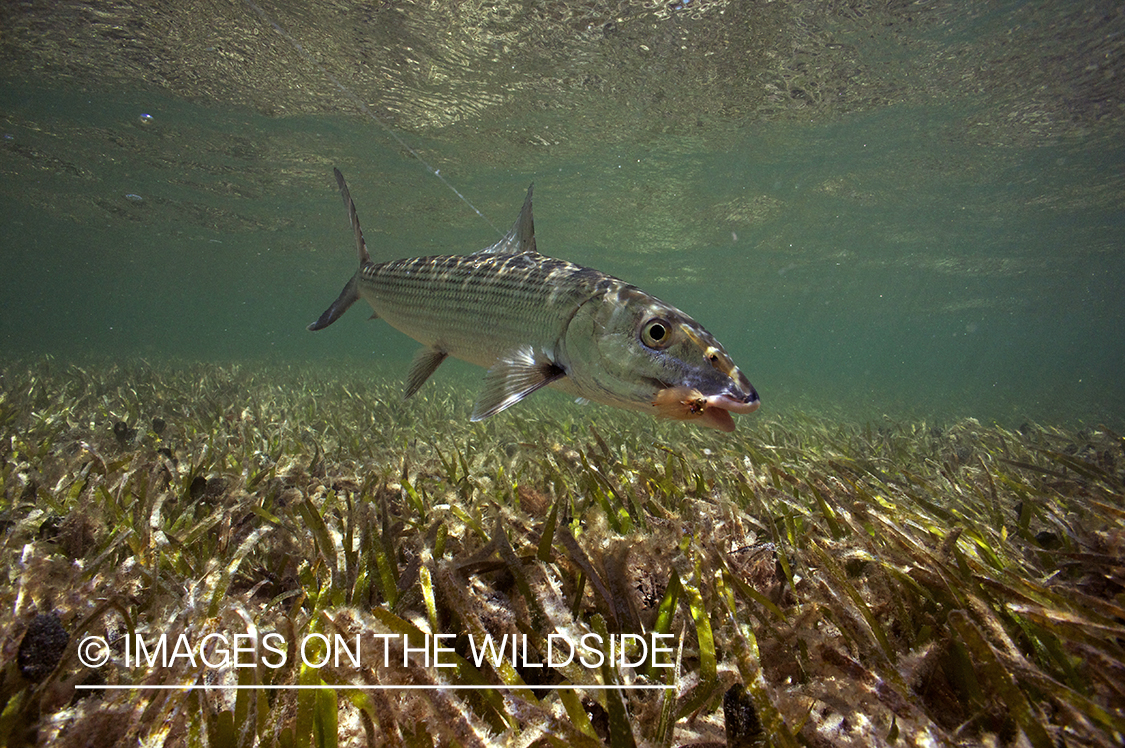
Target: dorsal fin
<point>520,238</point>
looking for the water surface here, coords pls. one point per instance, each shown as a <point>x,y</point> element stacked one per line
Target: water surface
<point>917,211</point>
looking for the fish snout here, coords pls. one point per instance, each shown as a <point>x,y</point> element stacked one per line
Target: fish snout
<point>740,397</point>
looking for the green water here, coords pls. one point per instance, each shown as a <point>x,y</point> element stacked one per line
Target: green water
<point>917,211</point>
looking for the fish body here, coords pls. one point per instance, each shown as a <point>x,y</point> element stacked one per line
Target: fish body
<point>534,321</point>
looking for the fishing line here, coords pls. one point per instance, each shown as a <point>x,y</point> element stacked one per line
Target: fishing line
<point>367,110</point>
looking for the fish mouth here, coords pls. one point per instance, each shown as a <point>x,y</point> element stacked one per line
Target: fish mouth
<point>713,411</point>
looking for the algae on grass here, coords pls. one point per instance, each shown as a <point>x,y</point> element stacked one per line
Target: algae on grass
<point>825,583</point>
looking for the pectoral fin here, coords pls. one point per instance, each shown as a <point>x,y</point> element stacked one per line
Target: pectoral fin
<point>512,378</point>
<point>425,362</point>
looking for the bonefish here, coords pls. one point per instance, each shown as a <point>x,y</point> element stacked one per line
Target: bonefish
<point>533,321</point>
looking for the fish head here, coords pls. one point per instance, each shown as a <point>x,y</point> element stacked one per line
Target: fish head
<point>629,349</point>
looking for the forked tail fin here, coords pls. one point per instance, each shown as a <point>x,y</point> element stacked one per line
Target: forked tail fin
<point>360,245</point>
<point>350,294</point>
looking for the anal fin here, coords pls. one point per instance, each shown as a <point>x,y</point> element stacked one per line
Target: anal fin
<point>425,362</point>
<point>512,378</point>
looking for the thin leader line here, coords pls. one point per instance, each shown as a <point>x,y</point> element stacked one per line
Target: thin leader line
<point>366,110</point>
<point>412,687</point>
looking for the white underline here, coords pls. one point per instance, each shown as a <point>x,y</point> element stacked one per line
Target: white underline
<point>569,686</point>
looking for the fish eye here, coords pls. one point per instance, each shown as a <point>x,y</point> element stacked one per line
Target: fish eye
<point>656,333</point>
